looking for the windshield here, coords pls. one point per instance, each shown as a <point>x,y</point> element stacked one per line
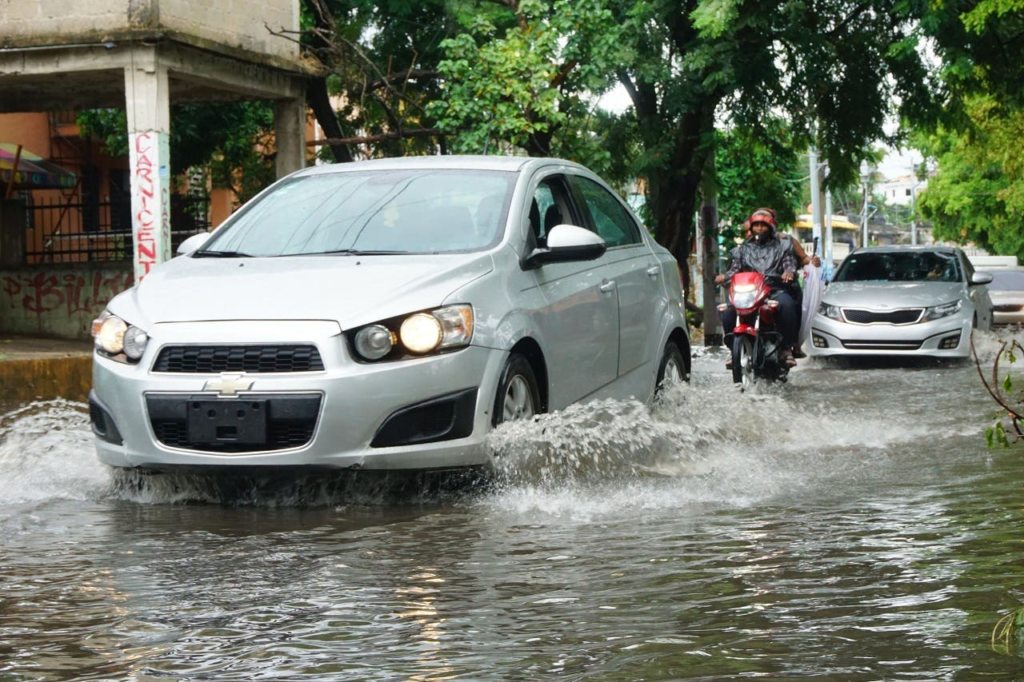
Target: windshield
<point>908,266</point>
<point>406,212</point>
<point>1007,280</point>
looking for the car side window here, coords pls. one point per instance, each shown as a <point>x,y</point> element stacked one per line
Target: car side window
<point>610,219</point>
<point>549,206</point>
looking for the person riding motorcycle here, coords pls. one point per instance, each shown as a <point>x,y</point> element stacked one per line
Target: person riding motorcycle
<point>766,254</point>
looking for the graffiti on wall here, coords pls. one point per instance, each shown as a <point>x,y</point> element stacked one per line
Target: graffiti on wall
<point>151,216</point>
<point>63,292</point>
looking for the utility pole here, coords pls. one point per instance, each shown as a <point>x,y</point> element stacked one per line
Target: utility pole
<point>865,178</point>
<point>815,196</point>
<point>828,234</point>
<point>709,253</point>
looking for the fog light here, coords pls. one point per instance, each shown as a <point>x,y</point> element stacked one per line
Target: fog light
<point>819,341</point>
<point>950,342</point>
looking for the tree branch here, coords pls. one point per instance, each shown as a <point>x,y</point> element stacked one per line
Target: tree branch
<point>370,139</point>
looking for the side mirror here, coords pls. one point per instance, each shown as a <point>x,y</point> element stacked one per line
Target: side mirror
<point>981,278</point>
<point>193,243</point>
<point>567,243</point>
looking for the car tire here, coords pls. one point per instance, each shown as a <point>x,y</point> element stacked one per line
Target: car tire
<point>671,369</point>
<point>518,396</point>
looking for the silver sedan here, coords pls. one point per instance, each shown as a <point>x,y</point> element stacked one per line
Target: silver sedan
<point>902,301</point>
<point>1007,292</point>
<point>387,315</point>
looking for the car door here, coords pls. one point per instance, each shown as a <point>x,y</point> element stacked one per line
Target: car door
<point>632,267</point>
<point>578,321</point>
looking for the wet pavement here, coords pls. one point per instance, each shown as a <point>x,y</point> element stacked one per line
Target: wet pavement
<point>849,525</point>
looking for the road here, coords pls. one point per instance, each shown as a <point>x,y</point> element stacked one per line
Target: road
<point>849,525</point>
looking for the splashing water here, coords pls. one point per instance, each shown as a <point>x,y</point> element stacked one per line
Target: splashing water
<point>704,441</point>
<point>46,453</point>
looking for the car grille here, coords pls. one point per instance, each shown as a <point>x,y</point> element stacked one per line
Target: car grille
<point>901,316</point>
<point>255,359</point>
<point>290,421</point>
<point>875,344</point>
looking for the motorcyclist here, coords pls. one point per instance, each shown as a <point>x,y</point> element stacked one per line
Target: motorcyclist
<point>802,259</point>
<point>775,260</point>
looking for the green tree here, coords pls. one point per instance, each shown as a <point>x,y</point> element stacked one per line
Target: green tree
<point>978,193</point>
<point>831,68</point>
<point>375,72</point>
<point>234,139</point>
<point>755,171</point>
<point>526,74</point>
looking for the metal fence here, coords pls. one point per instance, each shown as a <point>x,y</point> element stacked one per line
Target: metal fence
<point>61,230</point>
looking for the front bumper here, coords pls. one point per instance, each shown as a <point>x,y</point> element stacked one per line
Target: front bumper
<point>832,338</point>
<point>355,401</point>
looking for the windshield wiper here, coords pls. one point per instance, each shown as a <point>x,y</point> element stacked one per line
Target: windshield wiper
<point>221,254</point>
<point>350,252</point>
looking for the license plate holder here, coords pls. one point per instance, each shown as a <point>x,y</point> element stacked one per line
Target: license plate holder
<point>227,422</point>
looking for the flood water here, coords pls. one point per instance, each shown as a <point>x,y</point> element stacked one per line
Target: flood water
<point>850,525</point>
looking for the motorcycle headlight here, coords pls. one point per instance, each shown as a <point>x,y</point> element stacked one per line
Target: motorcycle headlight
<point>419,333</point>
<point>830,311</point>
<point>115,338</point>
<point>940,311</point>
<point>743,299</point>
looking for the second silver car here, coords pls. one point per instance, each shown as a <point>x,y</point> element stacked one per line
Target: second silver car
<point>904,301</point>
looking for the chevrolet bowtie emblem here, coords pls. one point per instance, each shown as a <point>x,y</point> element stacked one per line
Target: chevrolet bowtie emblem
<point>228,385</point>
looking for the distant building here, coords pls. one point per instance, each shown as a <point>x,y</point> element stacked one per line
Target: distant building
<point>901,191</point>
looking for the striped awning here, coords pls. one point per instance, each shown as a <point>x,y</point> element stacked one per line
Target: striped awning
<point>32,171</point>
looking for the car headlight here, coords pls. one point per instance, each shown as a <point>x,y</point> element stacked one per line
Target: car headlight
<point>830,311</point>
<point>418,334</point>
<point>117,339</point>
<point>940,311</point>
<point>375,341</point>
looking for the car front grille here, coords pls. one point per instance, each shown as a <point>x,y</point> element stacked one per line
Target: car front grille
<point>895,317</point>
<point>876,344</point>
<point>256,359</point>
<point>289,421</point>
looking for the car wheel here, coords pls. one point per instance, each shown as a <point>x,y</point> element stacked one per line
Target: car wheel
<point>518,396</point>
<point>743,360</point>
<point>672,369</point>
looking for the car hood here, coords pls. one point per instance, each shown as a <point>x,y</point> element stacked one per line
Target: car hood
<point>351,290</point>
<point>888,295</point>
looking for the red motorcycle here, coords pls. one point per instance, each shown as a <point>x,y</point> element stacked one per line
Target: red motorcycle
<point>757,341</point>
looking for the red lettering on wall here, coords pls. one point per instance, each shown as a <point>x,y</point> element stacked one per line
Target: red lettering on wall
<point>68,292</point>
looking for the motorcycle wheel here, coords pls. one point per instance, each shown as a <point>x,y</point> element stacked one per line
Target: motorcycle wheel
<point>743,360</point>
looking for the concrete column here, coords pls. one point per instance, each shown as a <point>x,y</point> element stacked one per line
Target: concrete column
<point>149,123</point>
<point>290,130</point>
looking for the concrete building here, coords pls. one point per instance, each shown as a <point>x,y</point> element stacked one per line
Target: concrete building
<point>57,57</point>
<point>901,191</point>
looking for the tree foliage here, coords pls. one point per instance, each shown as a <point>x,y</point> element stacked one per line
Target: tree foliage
<point>376,73</point>
<point>235,139</point>
<point>526,75</point>
<point>756,171</point>
<point>978,194</point>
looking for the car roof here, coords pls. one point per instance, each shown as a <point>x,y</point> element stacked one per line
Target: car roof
<point>907,249</point>
<point>443,162</point>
